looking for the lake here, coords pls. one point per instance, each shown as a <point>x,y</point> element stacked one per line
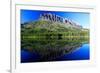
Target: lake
<point>80,53</point>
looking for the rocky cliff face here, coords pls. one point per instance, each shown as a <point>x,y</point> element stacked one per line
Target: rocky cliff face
<point>55,18</point>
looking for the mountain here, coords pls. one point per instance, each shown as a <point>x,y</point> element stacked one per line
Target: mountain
<point>50,26</point>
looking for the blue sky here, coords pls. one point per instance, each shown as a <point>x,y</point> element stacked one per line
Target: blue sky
<point>82,18</point>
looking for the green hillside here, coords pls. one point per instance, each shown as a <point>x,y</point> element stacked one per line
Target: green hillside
<point>46,27</point>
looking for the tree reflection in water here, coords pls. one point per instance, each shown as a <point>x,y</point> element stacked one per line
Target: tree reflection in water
<point>50,47</point>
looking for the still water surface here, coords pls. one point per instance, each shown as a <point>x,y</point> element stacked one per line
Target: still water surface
<point>81,53</point>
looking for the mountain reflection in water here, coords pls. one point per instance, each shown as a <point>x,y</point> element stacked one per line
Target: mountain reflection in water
<point>33,50</point>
